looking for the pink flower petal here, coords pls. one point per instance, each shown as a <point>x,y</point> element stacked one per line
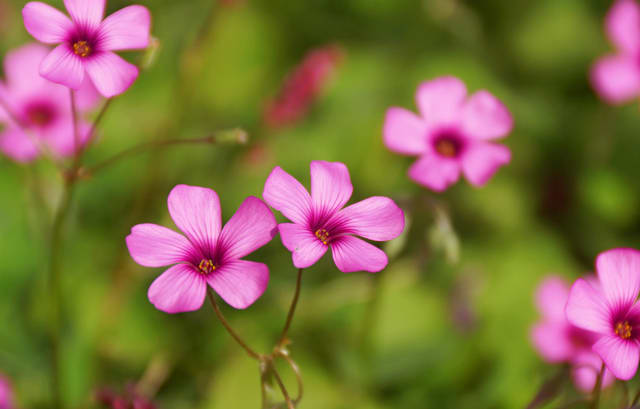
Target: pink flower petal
<point>330,186</point>
<point>481,160</point>
<point>435,172</point>
<point>196,211</point>
<point>285,194</point>
<point>111,74</point>
<point>179,289</point>
<point>623,26</point>
<point>6,394</point>
<point>585,368</point>
<point>18,146</point>
<point>126,29</point>
<point>305,247</point>
<point>86,13</point>
<point>151,245</point>
<point>21,68</point>
<point>352,254</point>
<point>250,228</point>
<point>239,282</point>
<point>45,23</point>
<point>87,96</point>
<point>404,132</point>
<point>619,274</point>
<point>620,356</point>
<point>376,218</point>
<point>552,341</point>
<point>485,117</point>
<point>616,78</point>
<point>551,299</point>
<point>62,66</point>
<point>441,100</point>
<point>586,308</point>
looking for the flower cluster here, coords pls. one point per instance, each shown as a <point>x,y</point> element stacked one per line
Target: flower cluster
<point>558,341</point>
<point>129,399</point>
<point>609,308</point>
<point>210,255</point>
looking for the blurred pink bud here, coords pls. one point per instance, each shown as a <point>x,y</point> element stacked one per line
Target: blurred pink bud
<point>303,86</point>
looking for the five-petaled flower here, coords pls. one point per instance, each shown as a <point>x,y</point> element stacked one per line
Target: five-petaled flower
<point>86,42</point>
<point>37,111</point>
<point>452,134</point>
<point>609,307</point>
<point>208,254</point>
<point>558,341</point>
<point>320,222</point>
<point>616,77</point>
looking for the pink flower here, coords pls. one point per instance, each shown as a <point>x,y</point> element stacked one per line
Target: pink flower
<point>616,77</point>
<point>320,222</point>
<point>86,42</point>
<point>6,394</point>
<point>303,86</point>
<point>558,341</point>
<point>208,254</point>
<point>609,308</point>
<point>452,134</point>
<point>40,107</point>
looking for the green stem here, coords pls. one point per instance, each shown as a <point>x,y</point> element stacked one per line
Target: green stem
<point>55,283</point>
<point>636,399</point>
<point>86,173</point>
<point>283,336</point>
<point>285,393</point>
<point>230,330</point>
<point>595,404</point>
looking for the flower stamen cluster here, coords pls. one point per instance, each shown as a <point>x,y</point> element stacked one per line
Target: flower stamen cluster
<point>623,329</point>
<point>206,266</point>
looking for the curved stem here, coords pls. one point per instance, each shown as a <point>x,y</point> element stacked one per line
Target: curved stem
<point>296,371</point>
<point>285,393</point>
<point>597,389</point>
<point>283,336</point>
<point>77,158</point>
<point>236,135</point>
<point>636,399</point>
<point>81,149</point>
<point>230,330</point>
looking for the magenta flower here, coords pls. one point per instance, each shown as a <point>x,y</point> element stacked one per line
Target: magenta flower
<point>320,222</point>
<point>452,134</point>
<point>38,107</point>
<point>6,394</point>
<point>208,254</point>
<point>86,42</point>
<point>609,308</point>
<point>616,77</point>
<point>558,341</point>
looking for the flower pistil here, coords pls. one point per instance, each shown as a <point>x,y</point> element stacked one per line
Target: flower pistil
<point>206,266</point>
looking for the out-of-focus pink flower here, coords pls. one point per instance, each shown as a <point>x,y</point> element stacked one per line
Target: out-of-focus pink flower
<point>39,109</point>
<point>86,43</point>
<point>609,308</point>
<point>302,86</point>
<point>208,254</point>
<point>558,341</point>
<point>616,77</point>
<point>6,394</point>
<point>320,222</point>
<point>453,134</point>
<point>129,399</point>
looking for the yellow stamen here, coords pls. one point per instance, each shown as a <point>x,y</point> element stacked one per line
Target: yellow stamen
<point>446,147</point>
<point>623,330</point>
<point>81,48</point>
<point>322,235</point>
<point>206,266</point>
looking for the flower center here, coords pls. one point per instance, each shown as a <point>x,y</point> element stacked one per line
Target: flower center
<point>623,329</point>
<point>447,146</point>
<point>322,235</point>
<point>81,48</point>
<point>40,115</point>
<point>206,266</point>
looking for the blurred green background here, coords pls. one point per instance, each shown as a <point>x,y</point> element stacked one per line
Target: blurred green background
<point>440,333</point>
